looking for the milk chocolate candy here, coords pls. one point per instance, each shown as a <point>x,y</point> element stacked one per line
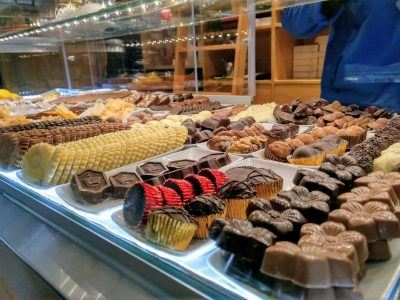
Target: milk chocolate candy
<point>121,182</point>
<point>379,250</point>
<point>151,169</point>
<point>90,186</point>
<point>309,266</point>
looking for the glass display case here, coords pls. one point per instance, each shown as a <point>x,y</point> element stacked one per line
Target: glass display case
<point>230,51</point>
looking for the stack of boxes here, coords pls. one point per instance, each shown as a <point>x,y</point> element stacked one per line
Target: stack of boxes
<point>308,60</point>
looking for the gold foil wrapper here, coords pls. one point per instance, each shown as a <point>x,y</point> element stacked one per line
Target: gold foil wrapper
<point>204,224</point>
<point>269,189</point>
<point>340,150</point>
<point>236,208</point>
<point>168,232</point>
<point>314,161</point>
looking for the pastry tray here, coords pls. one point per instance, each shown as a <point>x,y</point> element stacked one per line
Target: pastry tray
<point>380,281</point>
<point>66,194</point>
<point>260,155</point>
<point>287,172</point>
<point>138,233</point>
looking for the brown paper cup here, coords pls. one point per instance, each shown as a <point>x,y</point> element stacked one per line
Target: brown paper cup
<point>169,232</point>
<point>236,208</point>
<point>204,224</point>
<point>270,156</point>
<point>354,139</point>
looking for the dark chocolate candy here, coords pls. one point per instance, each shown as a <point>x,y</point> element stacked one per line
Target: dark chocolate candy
<point>236,189</point>
<point>121,182</point>
<point>90,186</point>
<point>215,160</point>
<point>151,169</point>
<point>319,181</point>
<point>313,205</point>
<point>205,205</point>
<point>258,204</point>
<point>180,164</point>
<point>252,175</point>
<point>176,213</point>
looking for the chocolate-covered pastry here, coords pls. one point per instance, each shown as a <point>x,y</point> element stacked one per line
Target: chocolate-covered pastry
<point>90,186</point>
<point>286,225</point>
<point>319,181</point>
<point>313,205</point>
<point>252,175</point>
<point>205,205</point>
<point>323,146</point>
<point>121,182</point>
<point>309,266</point>
<point>241,238</point>
<point>305,152</point>
<point>258,204</point>
<point>180,164</point>
<point>151,169</point>
<point>344,168</point>
<point>373,219</point>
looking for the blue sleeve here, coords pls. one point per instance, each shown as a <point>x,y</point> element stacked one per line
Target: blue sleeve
<point>305,21</point>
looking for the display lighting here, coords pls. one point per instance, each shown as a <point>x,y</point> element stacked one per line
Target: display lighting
<point>119,11</point>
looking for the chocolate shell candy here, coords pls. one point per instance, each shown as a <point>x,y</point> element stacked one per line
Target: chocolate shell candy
<point>90,186</point>
<point>258,204</point>
<point>242,239</point>
<point>236,126</point>
<point>344,168</point>
<point>203,136</point>
<point>215,160</point>
<point>313,205</point>
<point>319,181</point>
<point>389,179</point>
<point>121,182</point>
<point>305,152</point>
<point>181,164</point>
<point>373,219</point>
<point>151,169</point>
<point>285,225</point>
<point>379,250</point>
<point>309,266</point>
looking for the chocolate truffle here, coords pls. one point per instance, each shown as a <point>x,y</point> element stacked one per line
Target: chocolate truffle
<point>205,205</point>
<point>90,186</point>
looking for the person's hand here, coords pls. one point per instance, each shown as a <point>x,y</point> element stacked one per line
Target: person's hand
<point>330,8</point>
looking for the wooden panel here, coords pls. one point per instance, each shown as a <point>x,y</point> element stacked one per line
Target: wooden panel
<point>286,93</point>
<point>263,93</point>
<point>263,51</point>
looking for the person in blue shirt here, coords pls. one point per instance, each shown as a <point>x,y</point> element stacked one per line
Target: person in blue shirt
<point>362,62</point>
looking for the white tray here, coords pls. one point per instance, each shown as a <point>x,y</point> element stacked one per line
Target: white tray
<point>66,194</point>
<point>286,171</point>
<point>260,155</point>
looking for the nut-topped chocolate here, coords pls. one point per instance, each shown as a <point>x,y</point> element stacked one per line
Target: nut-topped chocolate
<point>90,186</point>
<point>151,169</point>
<point>121,182</point>
<point>313,205</point>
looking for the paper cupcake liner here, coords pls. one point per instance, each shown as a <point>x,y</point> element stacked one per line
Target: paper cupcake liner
<point>168,232</point>
<point>269,189</point>
<point>340,150</point>
<point>268,155</point>
<point>354,139</point>
<point>236,208</point>
<point>314,161</point>
<point>204,224</point>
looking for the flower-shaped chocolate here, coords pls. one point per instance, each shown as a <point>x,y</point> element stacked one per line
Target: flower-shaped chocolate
<point>313,205</point>
<point>309,265</point>
<point>286,225</point>
<point>374,192</point>
<point>332,235</point>
<point>390,179</point>
<point>373,219</point>
<point>344,168</point>
<point>318,181</point>
<point>241,238</point>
